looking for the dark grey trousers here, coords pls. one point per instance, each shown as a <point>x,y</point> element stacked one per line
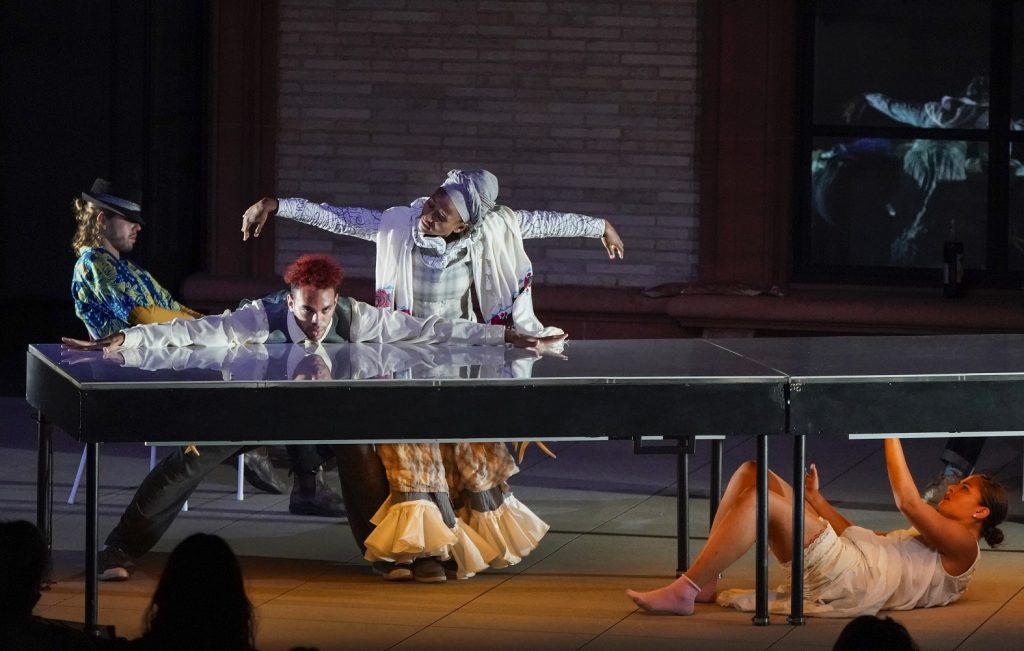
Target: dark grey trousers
<point>168,486</point>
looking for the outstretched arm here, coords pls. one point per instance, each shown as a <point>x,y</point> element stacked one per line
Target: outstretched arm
<point>545,223</point>
<point>904,112</point>
<point>245,325</point>
<point>357,222</point>
<point>383,326</point>
<point>817,501</point>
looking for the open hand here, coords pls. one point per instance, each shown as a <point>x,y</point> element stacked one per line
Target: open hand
<point>256,216</point>
<point>108,343</point>
<point>612,242</point>
<point>540,344</point>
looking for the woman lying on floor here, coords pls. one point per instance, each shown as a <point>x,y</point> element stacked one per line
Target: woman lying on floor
<point>849,570</point>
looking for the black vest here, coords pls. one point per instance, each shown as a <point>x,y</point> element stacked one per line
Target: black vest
<point>276,305</point>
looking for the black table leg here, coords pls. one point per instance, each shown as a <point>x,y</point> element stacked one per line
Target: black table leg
<point>761,560</point>
<point>716,478</point>
<point>44,485</point>
<point>796,609</point>
<point>91,538</point>
<point>44,492</point>
<point>683,512</point>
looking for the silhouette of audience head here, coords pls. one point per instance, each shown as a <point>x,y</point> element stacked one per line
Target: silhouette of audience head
<point>22,564</point>
<point>200,601</point>
<point>871,633</point>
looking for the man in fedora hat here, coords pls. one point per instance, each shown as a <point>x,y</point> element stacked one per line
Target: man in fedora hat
<point>111,293</point>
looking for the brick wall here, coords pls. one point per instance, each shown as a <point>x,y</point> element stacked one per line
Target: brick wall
<point>585,106</point>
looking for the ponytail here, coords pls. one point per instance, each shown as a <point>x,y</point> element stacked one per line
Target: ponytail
<point>992,535</point>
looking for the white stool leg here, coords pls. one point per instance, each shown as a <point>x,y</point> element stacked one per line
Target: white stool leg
<point>241,477</point>
<point>78,479</point>
<point>184,507</point>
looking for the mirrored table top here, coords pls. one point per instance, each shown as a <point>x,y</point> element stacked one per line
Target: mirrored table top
<point>634,361</point>
<point>773,360</point>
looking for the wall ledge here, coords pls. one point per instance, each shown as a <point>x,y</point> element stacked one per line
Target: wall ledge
<point>856,310</point>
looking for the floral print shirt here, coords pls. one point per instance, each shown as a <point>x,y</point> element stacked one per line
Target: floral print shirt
<point>106,289</point>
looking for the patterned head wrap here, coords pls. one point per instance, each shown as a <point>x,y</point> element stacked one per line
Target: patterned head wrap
<point>473,193</point>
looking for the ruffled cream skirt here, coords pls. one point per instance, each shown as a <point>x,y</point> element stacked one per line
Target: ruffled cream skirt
<point>512,529</point>
<point>415,529</point>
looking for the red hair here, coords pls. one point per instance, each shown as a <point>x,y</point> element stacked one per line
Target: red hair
<point>318,271</point>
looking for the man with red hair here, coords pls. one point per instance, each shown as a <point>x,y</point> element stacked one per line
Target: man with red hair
<point>456,254</point>
<point>309,312</point>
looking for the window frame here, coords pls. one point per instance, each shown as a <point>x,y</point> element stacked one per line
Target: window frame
<point>998,137</point>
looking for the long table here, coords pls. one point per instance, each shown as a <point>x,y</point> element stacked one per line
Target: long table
<point>675,389</point>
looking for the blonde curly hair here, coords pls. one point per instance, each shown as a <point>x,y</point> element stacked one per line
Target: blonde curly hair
<point>88,234</point>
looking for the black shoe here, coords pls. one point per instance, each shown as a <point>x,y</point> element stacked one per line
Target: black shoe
<point>451,568</point>
<point>312,496</point>
<point>392,571</point>
<point>259,472</point>
<point>114,565</point>
<point>428,570</point>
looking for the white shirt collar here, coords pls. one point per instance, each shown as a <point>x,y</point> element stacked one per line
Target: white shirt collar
<point>298,336</point>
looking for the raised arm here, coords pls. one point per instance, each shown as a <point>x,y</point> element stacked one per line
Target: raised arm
<point>817,501</point>
<point>950,537</point>
<point>545,223</point>
<point>357,222</point>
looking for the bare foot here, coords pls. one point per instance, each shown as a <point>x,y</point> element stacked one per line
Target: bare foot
<point>674,599</point>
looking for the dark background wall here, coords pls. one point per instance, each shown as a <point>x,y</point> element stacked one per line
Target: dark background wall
<point>111,88</point>
<point>181,99</point>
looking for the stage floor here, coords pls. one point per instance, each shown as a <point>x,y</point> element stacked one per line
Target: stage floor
<point>612,520</point>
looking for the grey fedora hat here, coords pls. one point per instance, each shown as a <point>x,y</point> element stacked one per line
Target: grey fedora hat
<point>102,194</point>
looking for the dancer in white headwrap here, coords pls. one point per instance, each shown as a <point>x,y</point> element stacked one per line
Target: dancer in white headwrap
<point>449,501</point>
